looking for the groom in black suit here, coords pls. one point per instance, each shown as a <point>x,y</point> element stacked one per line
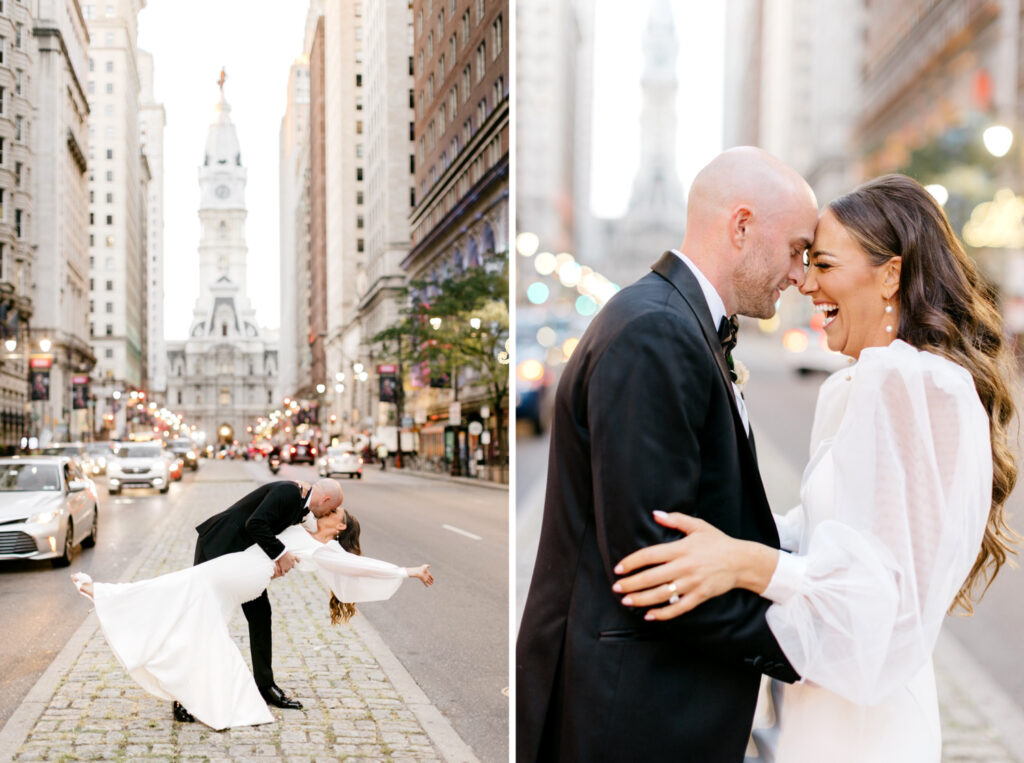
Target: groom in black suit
<point>257,518</point>
<point>647,417</point>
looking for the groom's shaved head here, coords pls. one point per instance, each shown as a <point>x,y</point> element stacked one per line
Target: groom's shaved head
<point>744,175</point>
<point>749,219</point>
<point>327,496</point>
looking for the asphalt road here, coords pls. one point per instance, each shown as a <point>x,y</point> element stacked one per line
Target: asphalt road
<point>781,407</point>
<point>40,607</point>
<point>452,638</point>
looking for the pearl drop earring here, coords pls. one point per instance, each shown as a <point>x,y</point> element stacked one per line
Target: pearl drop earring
<point>888,311</point>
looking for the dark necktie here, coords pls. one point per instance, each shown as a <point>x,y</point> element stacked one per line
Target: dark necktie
<point>727,330</point>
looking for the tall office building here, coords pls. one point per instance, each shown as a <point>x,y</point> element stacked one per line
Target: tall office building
<point>117,168</point>
<point>152,119</point>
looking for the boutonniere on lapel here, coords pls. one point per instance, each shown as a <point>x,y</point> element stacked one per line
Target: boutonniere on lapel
<point>740,374</point>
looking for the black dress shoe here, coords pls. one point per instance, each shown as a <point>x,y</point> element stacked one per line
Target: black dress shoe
<point>181,714</point>
<point>274,696</point>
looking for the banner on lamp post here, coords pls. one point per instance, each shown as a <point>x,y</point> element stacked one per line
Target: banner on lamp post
<point>79,392</point>
<point>388,375</point>
<point>39,376</point>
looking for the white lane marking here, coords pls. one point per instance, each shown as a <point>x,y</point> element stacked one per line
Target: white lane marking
<point>461,532</point>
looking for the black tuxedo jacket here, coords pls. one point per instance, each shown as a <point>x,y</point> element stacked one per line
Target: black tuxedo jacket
<point>645,418</point>
<point>255,518</point>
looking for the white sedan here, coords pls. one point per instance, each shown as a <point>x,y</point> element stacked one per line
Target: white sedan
<point>47,507</point>
<point>341,461</point>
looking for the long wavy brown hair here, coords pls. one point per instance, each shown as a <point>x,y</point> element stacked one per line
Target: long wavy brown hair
<point>945,308</point>
<point>348,539</point>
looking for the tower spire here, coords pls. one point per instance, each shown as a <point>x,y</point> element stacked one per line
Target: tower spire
<point>220,82</point>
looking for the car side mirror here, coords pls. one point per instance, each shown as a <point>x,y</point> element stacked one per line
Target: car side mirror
<point>76,486</point>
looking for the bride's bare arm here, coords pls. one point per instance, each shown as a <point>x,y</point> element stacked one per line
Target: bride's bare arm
<point>685,573</point>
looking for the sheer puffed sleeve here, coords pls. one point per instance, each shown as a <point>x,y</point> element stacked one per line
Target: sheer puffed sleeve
<point>859,610</point>
<point>354,578</point>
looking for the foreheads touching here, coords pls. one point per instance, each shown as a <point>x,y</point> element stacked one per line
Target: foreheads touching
<point>750,218</point>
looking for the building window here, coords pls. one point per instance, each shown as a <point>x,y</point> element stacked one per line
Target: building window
<point>110,198</point>
<point>17,35</point>
<point>359,245</point>
<point>359,197</point>
<point>223,329</point>
<point>465,83</point>
<point>110,330</point>
<point>17,174</point>
<point>110,219</point>
<point>179,391</point>
<point>440,25</point>
<point>359,150</point>
<point>451,49</point>
<point>479,11</point>
<point>109,39</point>
<point>359,221</point>
<point>359,80</point>
<point>498,94</point>
<point>465,27</point>
<point>359,127</point>
<point>3,48</point>
<point>440,69</point>
<point>225,396</point>
<point>110,175</point>
<point>359,173</point>
<point>430,88</point>
<point>108,353</point>
<point>110,153</point>
<point>453,101</point>
<point>412,163</point>
<point>110,285</point>
<point>18,79</point>
<point>412,99</point>
<point>18,124</point>
<point>481,60</point>
<point>412,197</point>
<point>17,222</point>
<point>110,307</point>
<point>91,87</point>
<point>419,22</point>
<point>481,111</point>
<point>110,65</point>
<point>110,88</point>
<point>430,45</point>
<point>496,31</point>
<point>410,63</point>
<point>412,131</point>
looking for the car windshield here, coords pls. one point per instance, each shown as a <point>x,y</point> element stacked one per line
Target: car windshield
<point>139,451</point>
<point>16,478</point>
<point>337,452</point>
<point>61,450</point>
<point>179,445</point>
<point>98,447</point>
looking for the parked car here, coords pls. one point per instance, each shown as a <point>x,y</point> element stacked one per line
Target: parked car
<point>46,509</point>
<point>99,453</point>
<point>138,464</point>
<point>186,450</point>
<point>341,461</point>
<point>301,452</point>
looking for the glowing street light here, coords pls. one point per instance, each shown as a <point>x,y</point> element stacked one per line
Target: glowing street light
<point>474,323</point>
<point>45,344</point>
<point>320,389</point>
<point>11,345</point>
<point>997,139</point>
<point>435,323</point>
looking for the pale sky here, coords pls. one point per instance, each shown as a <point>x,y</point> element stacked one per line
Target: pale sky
<point>256,41</point>
<point>618,65</point>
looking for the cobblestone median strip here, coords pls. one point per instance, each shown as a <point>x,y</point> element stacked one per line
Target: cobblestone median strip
<point>359,701</point>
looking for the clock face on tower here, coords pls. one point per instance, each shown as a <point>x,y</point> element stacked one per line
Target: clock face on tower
<point>222,191</point>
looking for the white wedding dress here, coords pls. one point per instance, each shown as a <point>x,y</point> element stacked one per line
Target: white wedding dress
<point>895,500</point>
<point>170,633</point>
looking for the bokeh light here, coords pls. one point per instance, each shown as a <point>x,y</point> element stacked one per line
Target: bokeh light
<point>527,244</point>
<point>545,263</point>
<point>568,346</point>
<point>546,336</point>
<point>531,370</point>
<point>537,293</point>
<point>795,340</point>
<point>997,139</point>
<point>585,305</point>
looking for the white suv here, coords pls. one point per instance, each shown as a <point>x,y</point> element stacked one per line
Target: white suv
<point>138,464</point>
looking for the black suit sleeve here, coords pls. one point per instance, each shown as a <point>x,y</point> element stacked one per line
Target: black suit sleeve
<point>648,398</point>
<point>275,512</point>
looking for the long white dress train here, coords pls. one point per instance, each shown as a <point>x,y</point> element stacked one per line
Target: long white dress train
<point>895,500</point>
<point>170,633</point>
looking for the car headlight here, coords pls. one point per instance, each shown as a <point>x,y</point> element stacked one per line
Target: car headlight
<point>190,454</point>
<point>46,516</point>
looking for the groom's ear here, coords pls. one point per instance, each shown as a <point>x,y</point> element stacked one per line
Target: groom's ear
<point>739,225</point>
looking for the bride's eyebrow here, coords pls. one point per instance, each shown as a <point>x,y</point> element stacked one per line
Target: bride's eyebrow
<point>819,253</point>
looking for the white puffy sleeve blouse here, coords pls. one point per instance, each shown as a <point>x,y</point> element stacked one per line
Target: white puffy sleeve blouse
<point>894,506</point>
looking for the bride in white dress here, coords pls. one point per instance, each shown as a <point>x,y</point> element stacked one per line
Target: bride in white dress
<point>170,633</point>
<point>901,517</point>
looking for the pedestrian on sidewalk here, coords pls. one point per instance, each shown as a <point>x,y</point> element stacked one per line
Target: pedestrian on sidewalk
<point>170,633</point>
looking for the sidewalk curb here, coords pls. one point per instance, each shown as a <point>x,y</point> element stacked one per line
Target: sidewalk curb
<point>471,481</point>
<point>441,733</point>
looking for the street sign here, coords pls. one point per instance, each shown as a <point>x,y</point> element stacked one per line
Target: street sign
<point>485,412</point>
<point>407,422</point>
<point>455,413</point>
<point>485,438</point>
<point>387,368</point>
<point>475,428</point>
<point>420,416</point>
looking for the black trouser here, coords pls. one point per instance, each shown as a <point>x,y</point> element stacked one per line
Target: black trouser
<point>257,613</point>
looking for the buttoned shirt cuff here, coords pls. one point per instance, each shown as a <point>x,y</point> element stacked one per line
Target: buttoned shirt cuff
<point>785,582</point>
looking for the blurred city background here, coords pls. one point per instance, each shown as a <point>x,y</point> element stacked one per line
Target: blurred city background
<point>618,107</point>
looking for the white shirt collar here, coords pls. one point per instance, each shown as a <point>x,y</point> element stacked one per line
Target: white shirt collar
<point>308,499</point>
<point>715,303</point>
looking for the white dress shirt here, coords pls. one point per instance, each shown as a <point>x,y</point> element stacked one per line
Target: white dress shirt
<point>717,308</point>
<point>308,522</point>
